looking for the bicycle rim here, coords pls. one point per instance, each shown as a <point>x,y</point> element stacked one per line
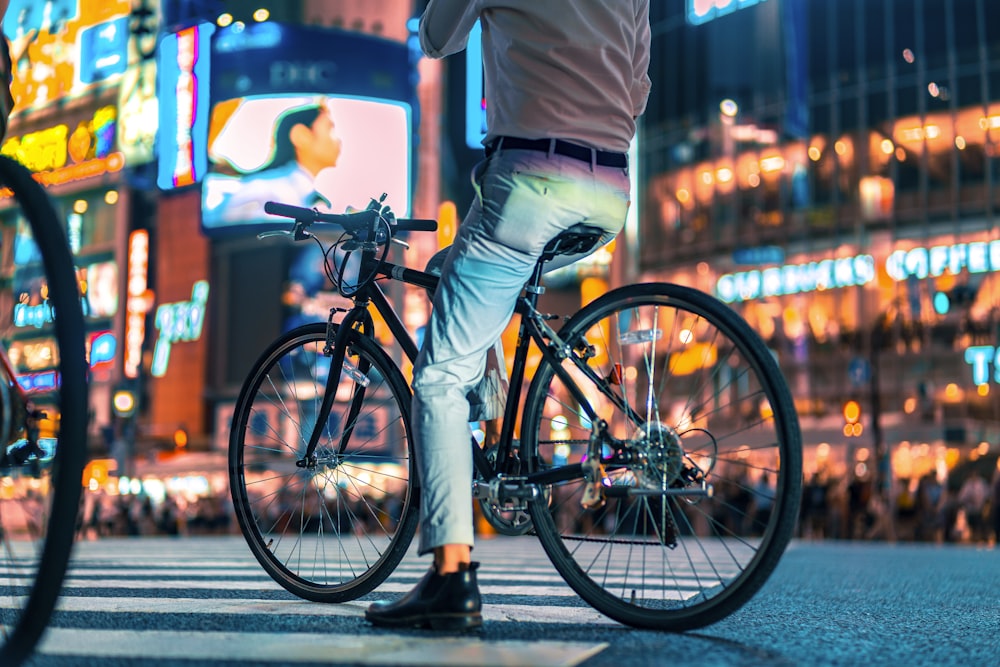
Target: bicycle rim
<point>331,531</point>
<point>702,404</point>
<point>39,476</point>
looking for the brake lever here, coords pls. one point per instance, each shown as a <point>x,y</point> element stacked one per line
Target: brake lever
<point>276,232</point>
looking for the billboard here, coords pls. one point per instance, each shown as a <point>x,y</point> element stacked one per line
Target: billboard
<point>328,152</point>
<point>308,116</point>
<point>62,48</point>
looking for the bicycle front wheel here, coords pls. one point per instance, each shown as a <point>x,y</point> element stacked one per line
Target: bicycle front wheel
<point>43,411</point>
<point>333,528</point>
<point>702,407</point>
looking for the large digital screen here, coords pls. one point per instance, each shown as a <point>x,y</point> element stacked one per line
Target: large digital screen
<point>328,152</point>
<point>308,116</point>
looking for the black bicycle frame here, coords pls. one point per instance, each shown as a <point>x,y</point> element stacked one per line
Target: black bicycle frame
<point>358,317</point>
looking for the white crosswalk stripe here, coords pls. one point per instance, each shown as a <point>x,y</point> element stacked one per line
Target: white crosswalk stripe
<point>206,599</point>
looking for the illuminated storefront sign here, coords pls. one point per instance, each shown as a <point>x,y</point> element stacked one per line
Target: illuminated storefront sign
<point>60,155</point>
<point>920,262</point>
<point>703,11</point>
<point>977,257</point>
<point>101,289</point>
<point>177,322</point>
<point>139,301</point>
<point>34,383</point>
<point>40,354</point>
<point>33,310</point>
<point>796,278</point>
<point>183,68</point>
<point>983,359</point>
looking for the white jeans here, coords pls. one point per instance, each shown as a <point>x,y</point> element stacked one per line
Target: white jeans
<point>523,200</point>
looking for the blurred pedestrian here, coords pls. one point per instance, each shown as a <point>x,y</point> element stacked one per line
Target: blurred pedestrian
<point>995,505</point>
<point>815,508</point>
<point>972,499</point>
<point>930,509</point>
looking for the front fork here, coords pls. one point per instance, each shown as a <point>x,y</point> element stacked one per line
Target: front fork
<point>336,349</point>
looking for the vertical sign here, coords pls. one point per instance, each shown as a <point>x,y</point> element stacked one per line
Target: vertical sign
<point>183,72</point>
<point>475,95</point>
<point>139,300</point>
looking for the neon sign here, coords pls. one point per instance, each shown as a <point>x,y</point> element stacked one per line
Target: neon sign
<point>103,347</point>
<point>139,300</point>
<point>176,322</point>
<point>184,69</point>
<point>796,278</point>
<point>33,383</point>
<point>919,262</point>
<point>57,155</point>
<point>977,257</point>
<point>703,11</point>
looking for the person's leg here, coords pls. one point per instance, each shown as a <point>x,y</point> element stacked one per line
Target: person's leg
<point>525,200</point>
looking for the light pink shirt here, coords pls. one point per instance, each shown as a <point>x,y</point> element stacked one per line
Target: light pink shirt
<point>564,69</point>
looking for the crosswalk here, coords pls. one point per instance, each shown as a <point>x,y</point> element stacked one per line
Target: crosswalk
<point>206,601</point>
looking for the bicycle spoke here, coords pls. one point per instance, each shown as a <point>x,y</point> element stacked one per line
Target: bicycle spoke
<point>332,526</point>
<point>701,403</point>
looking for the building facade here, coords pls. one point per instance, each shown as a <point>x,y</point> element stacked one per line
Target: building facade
<point>829,169</point>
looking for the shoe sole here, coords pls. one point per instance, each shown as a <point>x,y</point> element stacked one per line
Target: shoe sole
<point>443,622</point>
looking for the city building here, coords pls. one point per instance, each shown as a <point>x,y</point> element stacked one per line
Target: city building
<point>829,169</point>
<point>141,119</point>
<point>826,167</point>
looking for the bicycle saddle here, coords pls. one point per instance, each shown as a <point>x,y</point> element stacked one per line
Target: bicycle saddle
<point>577,239</point>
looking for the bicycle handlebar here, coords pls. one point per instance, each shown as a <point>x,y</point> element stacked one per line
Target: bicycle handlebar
<point>352,222</point>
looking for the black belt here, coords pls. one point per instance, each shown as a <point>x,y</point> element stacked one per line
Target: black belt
<point>560,147</point>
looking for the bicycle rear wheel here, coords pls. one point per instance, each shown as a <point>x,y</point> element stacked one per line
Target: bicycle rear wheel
<point>700,401</point>
<point>334,530</point>
<point>41,459</point>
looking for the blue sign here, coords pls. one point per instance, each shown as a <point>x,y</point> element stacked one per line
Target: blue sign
<point>182,81</point>
<point>770,254</point>
<point>104,50</point>
<point>475,96</point>
<point>859,371</point>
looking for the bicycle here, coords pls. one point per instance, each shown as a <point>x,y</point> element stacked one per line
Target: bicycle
<point>650,415</point>
<point>43,413</point>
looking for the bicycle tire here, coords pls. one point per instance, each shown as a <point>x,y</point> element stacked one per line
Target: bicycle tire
<point>721,413</point>
<point>46,486</point>
<point>334,532</point>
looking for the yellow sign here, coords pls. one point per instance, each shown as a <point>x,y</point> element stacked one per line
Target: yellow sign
<point>60,155</point>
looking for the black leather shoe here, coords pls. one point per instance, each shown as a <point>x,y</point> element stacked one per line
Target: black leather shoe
<point>439,601</point>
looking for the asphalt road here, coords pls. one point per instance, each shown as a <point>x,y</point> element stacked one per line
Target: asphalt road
<point>205,602</point>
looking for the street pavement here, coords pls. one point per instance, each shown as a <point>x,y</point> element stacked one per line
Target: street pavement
<point>204,601</point>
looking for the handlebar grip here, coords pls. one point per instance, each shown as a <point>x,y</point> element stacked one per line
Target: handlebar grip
<point>416,225</point>
<point>289,211</point>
